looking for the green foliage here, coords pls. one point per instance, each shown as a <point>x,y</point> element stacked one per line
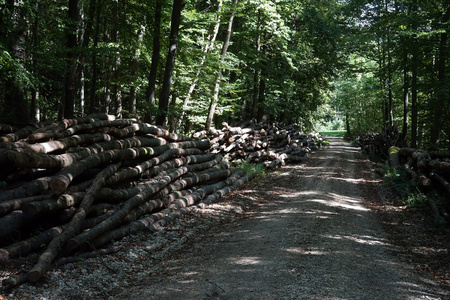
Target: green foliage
<point>256,169</point>
<point>334,133</point>
<point>416,199</point>
<point>397,180</point>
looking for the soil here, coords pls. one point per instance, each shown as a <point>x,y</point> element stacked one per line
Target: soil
<point>326,229</point>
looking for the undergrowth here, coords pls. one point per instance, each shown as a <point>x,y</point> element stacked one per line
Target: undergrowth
<point>256,169</point>
<point>397,180</point>
<point>410,194</point>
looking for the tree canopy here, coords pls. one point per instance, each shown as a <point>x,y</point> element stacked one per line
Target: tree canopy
<point>366,65</point>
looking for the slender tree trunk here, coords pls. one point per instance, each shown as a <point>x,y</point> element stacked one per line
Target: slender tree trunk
<point>383,84</point>
<point>173,102</point>
<point>134,72</point>
<point>390,96</point>
<point>117,61</point>
<point>442,96</point>
<point>85,39</point>
<point>155,60</point>
<point>405,96</point>
<point>215,99</point>
<point>163,104</point>
<point>256,85</point>
<point>347,123</point>
<point>70,91</point>
<point>262,81</point>
<point>34,115</point>
<point>94,103</point>
<point>208,47</point>
<point>414,63</point>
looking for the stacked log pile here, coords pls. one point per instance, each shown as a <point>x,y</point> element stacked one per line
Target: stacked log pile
<point>76,184</point>
<point>377,144</point>
<point>427,170</point>
<point>272,144</point>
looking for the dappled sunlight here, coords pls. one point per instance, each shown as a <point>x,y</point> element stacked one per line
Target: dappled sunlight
<point>339,204</point>
<point>355,181</point>
<point>361,239</point>
<point>246,260</point>
<point>309,251</point>
<point>310,233</point>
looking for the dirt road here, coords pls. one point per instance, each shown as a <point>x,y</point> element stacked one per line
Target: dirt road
<point>312,238</point>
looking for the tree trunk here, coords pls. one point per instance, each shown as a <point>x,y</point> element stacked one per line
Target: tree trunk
<point>150,95</point>
<point>262,81</point>
<point>73,228</point>
<point>117,88</point>
<point>163,104</point>
<point>405,97</point>
<point>414,111</point>
<point>254,110</point>
<point>94,103</point>
<point>70,91</point>
<point>442,97</point>
<point>131,203</point>
<point>215,99</point>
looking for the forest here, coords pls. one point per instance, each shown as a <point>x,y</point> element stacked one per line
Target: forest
<point>363,66</point>
<point>117,116</point>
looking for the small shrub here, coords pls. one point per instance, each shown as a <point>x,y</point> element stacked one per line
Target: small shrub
<point>256,169</point>
<point>416,200</point>
<point>398,181</point>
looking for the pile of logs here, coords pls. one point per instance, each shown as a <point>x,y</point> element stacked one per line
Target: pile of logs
<point>377,144</point>
<point>427,170</point>
<point>76,184</point>
<point>272,144</point>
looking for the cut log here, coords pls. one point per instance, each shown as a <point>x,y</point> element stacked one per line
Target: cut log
<point>12,221</point>
<point>32,188</point>
<point>117,217</point>
<point>16,204</point>
<point>29,245</point>
<point>441,180</point>
<point>66,143</point>
<point>141,168</point>
<point>73,228</point>
<point>61,181</point>
<point>50,205</point>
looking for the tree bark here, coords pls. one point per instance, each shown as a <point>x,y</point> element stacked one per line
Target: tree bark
<point>441,103</point>
<point>117,217</point>
<point>155,59</point>
<point>414,65</point>
<point>94,103</point>
<point>163,105</point>
<point>405,96</point>
<point>61,181</point>
<point>73,228</point>
<point>70,91</point>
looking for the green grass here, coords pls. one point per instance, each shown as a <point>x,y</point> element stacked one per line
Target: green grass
<point>334,133</point>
